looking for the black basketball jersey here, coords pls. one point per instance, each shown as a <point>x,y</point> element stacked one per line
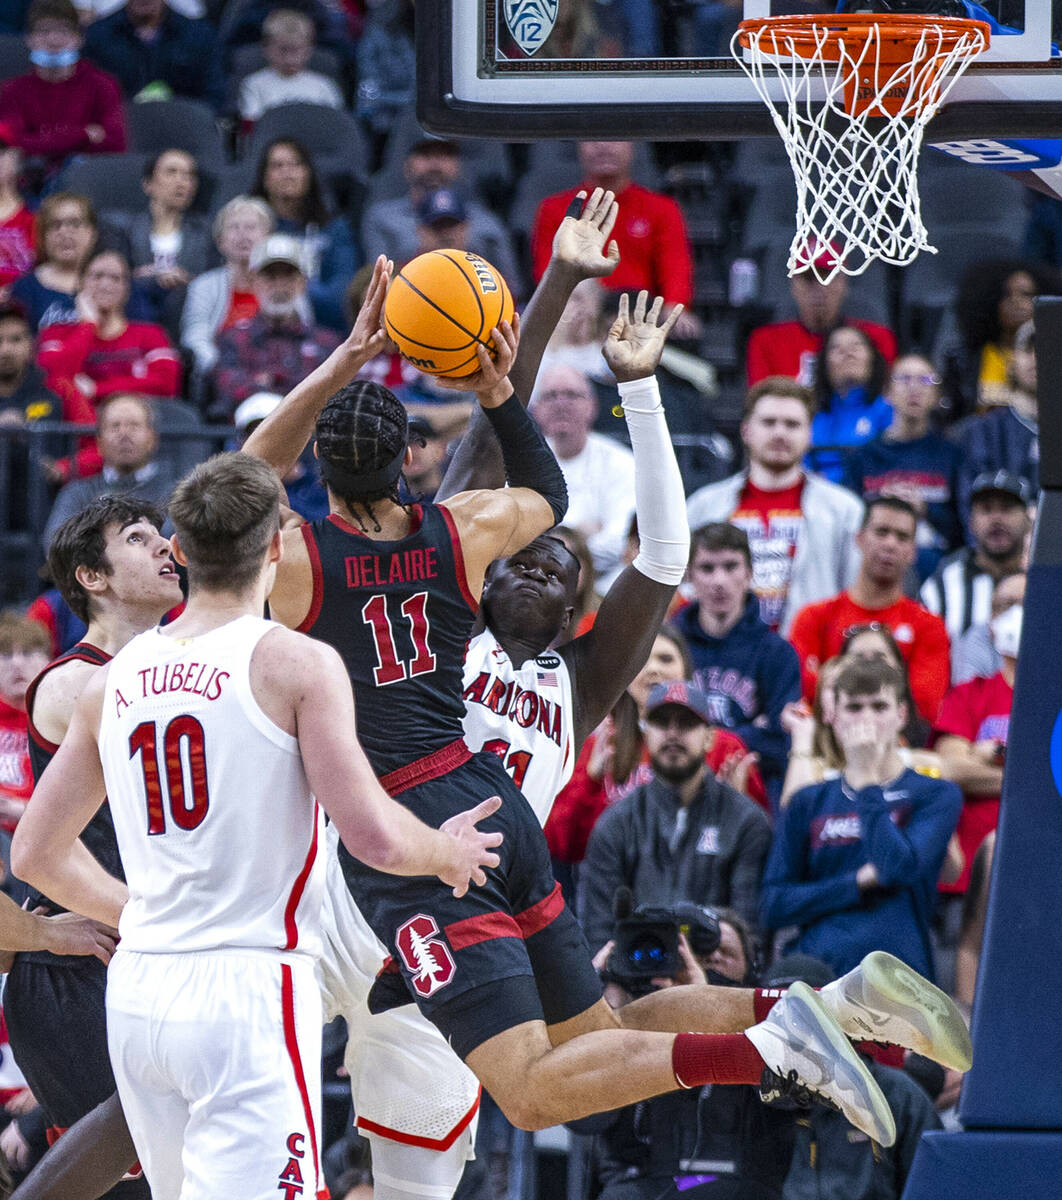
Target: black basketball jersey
<point>400,614</point>
<point>98,835</point>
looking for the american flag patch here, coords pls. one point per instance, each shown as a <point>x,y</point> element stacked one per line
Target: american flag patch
<point>547,678</point>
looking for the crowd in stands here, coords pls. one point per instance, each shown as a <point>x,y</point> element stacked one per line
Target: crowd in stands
<point>816,745</point>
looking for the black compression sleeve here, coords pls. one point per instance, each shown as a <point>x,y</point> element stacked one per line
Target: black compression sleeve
<point>529,462</point>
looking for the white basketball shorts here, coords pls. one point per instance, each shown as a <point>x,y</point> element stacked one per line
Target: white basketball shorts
<point>406,1082</point>
<point>217,1057</point>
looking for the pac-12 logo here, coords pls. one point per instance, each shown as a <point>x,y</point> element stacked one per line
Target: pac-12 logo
<point>530,22</point>
<point>426,957</point>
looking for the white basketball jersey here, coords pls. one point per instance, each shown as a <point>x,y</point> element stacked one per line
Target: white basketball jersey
<point>220,836</point>
<point>524,716</point>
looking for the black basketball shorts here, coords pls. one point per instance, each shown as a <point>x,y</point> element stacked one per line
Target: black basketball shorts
<point>505,953</point>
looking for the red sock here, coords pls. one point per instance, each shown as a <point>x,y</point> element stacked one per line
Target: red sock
<point>763,1000</point>
<point>700,1058</point>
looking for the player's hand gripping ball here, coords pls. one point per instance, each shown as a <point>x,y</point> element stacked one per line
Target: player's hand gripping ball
<point>441,305</point>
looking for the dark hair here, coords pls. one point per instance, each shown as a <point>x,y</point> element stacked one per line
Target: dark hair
<point>153,161</point>
<point>12,310</point>
<point>362,432</point>
<point>749,948</point>
<point>225,512</point>
<point>896,503</point>
<point>866,676</point>
<point>720,535</point>
<point>879,368</point>
<point>782,387</point>
<point>81,541</point>
<point>314,210</point>
<point>51,10</point>
<point>627,741</point>
<point>107,252</point>
<point>981,289</point>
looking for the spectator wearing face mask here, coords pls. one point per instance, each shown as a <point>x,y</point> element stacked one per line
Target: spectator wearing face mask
<point>64,105</point>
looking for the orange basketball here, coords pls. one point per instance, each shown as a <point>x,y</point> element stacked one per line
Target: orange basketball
<point>441,305</point>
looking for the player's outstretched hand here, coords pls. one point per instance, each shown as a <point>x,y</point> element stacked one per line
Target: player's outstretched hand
<point>634,344</point>
<point>581,242</point>
<point>472,850</point>
<point>491,382</point>
<point>368,337</point>
<point>67,933</point>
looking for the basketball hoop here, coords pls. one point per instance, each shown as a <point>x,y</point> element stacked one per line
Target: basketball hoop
<point>854,147</point>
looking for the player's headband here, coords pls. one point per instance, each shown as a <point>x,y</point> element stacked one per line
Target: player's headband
<point>362,483</point>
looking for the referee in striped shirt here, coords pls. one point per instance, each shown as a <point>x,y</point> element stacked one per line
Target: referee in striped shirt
<point>960,589</point>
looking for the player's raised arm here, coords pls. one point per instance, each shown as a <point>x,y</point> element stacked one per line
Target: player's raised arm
<point>283,435</point>
<point>375,828</point>
<point>582,249</point>
<point>637,602</point>
<point>494,521</point>
<point>46,851</point>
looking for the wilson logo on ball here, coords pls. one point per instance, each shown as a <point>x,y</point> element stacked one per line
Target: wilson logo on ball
<point>443,305</point>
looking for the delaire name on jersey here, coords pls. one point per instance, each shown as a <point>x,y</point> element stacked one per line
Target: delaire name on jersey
<point>404,566</point>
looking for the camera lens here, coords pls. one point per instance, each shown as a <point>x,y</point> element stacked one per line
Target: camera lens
<point>647,952</point>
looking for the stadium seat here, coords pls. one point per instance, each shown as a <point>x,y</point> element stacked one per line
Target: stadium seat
<point>111,181</point>
<point>14,55</point>
<point>175,417</point>
<point>325,132</point>
<point>181,124</point>
<point>955,193</point>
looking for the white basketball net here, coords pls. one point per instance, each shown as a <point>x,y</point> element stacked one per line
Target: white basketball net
<point>856,177</point>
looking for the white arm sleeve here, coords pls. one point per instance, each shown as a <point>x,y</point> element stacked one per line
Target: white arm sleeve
<point>660,499</point>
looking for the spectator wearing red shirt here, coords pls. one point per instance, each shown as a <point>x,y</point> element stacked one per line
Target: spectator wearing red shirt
<point>23,655</point>
<point>279,346</point>
<point>65,105</point>
<point>970,733</point>
<point>792,347</point>
<point>105,352</point>
<point>887,542</point>
<point>801,527</point>
<point>650,232</point>
<point>16,220</point>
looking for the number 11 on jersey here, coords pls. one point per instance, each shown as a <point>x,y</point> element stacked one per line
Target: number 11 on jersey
<point>390,668</point>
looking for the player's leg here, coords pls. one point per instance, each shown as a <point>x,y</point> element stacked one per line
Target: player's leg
<point>87,1161</point>
<point>538,1085</point>
<point>414,1100</point>
<point>404,1172</point>
<point>56,1017</point>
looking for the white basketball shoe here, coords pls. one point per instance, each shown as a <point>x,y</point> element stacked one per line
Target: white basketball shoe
<point>809,1057</point>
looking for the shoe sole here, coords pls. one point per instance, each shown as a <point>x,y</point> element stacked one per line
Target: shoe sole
<point>849,1070</point>
<point>944,1025</point>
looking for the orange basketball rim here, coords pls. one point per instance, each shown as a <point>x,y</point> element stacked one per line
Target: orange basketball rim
<point>877,46</point>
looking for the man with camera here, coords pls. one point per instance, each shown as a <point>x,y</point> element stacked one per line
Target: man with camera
<point>712,1143</point>
<point>855,860</point>
<point>682,836</point>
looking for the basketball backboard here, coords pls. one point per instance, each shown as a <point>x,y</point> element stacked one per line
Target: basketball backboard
<point>528,69</point>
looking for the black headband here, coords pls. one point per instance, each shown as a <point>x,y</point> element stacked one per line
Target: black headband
<point>354,484</point>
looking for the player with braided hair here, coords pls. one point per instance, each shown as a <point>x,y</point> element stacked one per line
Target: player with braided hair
<point>362,428</point>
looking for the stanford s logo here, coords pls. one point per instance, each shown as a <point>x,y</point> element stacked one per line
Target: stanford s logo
<point>530,22</point>
<point>426,957</point>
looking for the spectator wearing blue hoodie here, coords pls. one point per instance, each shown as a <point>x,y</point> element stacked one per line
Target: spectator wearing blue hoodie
<point>855,860</point>
<point>748,673</point>
<point>849,379</point>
